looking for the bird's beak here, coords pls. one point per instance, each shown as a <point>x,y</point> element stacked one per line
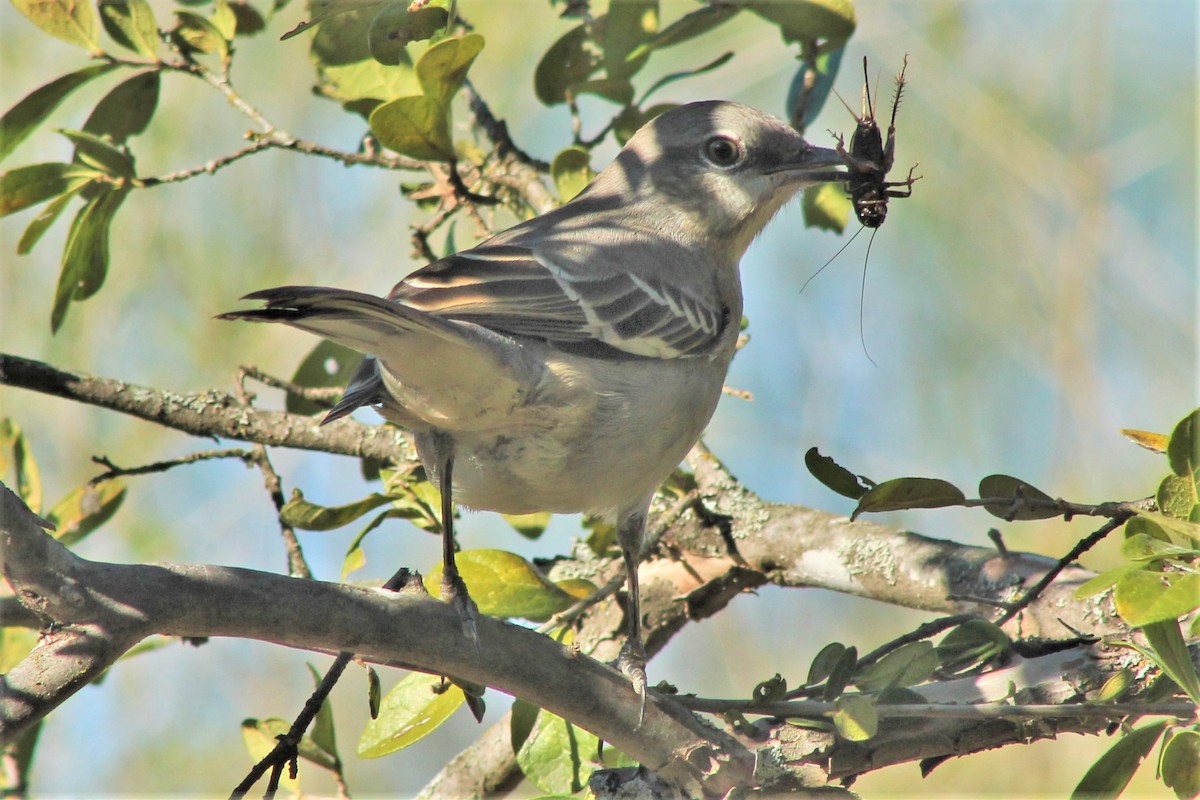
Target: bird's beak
<point>813,165</point>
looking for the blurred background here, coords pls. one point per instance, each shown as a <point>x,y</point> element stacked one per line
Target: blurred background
<point>1036,293</point>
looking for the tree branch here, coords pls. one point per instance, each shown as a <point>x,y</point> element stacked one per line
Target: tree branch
<point>210,414</point>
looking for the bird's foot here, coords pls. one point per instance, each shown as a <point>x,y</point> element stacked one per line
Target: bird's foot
<point>632,663</point>
<point>454,592</point>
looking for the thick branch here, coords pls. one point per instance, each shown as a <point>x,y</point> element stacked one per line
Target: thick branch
<point>115,605</point>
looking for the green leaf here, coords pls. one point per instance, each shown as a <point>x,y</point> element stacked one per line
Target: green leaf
<point>259,738</point>
<point>15,452</point>
<point>826,207</point>
<point>973,642</point>
<point>131,24</point>
<point>85,257</point>
<point>558,757</point>
<point>356,557</point>
<point>905,666</point>
<point>97,153</point>
<point>1014,491</point>
<point>321,10</point>
<point>23,118</point>
<point>504,585</point>
<point>127,109</point>
<point>327,366</point>
<point>835,476</point>
<point>1104,581</point>
<point>1145,547</point>
<point>73,21</point>
<point>1111,773</point>
<point>772,690</point>
<point>1180,764</point>
<point>1170,653</point>
<point>618,90</point>
<point>905,493</point>
<point>578,588</point>
<point>627,123</point>
<point>856,719</point>
<point>346,70</point>
<point>521,722</point>
<point>811,85</point>
<point>569,61</point>
<point>1177,496</point>
<point>628,24</point>
<point>1144,596</point>
<point>571,171</point>
<point>1145,526</point>
<point>374,692</point>
<point>716,63</point>
<point>1114,687</point>
<point>300,513</point>
<point>322,733</point>
<point>15,644</point>
<point>443,68</point>
<point>249,20</point>
<point>396,24</point>
<point>841,673</point>
<point>824,662</point>
<point>23,187</point>
<point>414,126</point>
<point>689,26</point>
<point>197,33</point>
<point>808,20</point>
<point>1183,449</point>
<point>1180,527</point>
<point>85,509</point>
<point>414,708</point>
<point>46,218</point>
<point>531,526</point>
<point>224,20</point>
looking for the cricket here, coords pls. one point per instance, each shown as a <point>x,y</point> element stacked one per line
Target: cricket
<point>870,158</point>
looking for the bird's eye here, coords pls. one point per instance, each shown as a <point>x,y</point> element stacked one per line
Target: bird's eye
<point>723,151</point>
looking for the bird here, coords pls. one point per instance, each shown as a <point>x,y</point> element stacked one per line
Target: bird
<point>570,362</point>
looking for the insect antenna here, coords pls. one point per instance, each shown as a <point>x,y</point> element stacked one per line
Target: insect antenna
<point>831,258</point>
<point>862,297</point>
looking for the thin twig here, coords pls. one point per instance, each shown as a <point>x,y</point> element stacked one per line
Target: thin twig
<point>297,565</point>
<point>497,130</point>
<point>1081,547</point>
<point>111,470</point>
<point>287,750</point>
<point>325,397</point>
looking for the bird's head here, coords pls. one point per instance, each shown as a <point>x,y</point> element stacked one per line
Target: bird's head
<point>722,168</point>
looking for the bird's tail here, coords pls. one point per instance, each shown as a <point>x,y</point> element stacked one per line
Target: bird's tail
<point>442,370</point>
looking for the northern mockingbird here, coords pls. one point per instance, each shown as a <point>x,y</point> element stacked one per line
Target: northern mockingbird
<point>569,363</point>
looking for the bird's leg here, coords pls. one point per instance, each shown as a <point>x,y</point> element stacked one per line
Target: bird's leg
<point>454,590</point>
<point>632,658</point>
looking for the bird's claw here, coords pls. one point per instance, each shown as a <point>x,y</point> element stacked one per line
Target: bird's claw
<point>632,663</point>
<point>454,592</point>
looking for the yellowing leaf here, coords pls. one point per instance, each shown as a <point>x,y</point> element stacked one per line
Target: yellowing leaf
<point>855,718</point>
<point>408,713</point>
<point>73,21</point>
<point>504,585</point>
<point>443,68</point>
<point>414,126</point>
<point>1155,442</point>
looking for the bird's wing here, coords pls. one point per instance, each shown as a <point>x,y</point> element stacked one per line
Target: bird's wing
<point>575,294</point>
